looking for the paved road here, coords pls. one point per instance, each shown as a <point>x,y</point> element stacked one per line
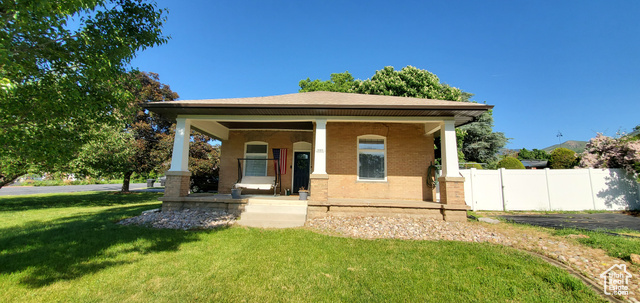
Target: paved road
<point>28,190</point>
<point>582,221</point>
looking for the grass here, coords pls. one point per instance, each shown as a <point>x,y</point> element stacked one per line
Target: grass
<point>619,243</point>
<point>69,182</point>
<point>617,246</point>
<point>67,247</point>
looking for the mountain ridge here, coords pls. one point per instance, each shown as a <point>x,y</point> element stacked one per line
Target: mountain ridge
<point>574,145</point>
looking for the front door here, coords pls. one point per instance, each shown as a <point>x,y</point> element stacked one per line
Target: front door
<point>301,162</point>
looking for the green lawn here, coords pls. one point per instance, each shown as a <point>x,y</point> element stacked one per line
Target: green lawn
<point>68,248</point>
<point>617,246</point>
<point>619,243</point>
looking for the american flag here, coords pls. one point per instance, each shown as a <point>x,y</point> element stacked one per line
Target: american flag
<point>280,154</point>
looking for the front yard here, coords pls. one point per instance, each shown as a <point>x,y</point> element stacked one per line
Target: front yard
<point>69,248</point>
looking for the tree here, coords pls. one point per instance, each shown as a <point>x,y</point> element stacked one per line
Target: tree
<point>60,83</point>
<point>481,143</point>
<point>562,158</point>
<point>535,154</point>
<point>204,158</point>
<point>339,83</point>
<point>510,163</point>
<point>142,144</point>
<point>476,140</point>
<point>407,82</point>
<point>607,152</point>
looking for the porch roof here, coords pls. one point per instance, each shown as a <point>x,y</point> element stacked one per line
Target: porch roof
<point>324,104</point>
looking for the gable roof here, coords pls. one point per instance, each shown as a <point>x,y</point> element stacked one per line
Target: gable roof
<point>323,104</point>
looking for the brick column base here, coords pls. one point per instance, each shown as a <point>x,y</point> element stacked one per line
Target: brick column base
<point>452,194</point>
<point>319,189</point>
<point>452,190</point>
<point>177,184</point>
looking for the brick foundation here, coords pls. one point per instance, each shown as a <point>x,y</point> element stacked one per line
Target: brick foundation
<point>177,184</point>
<point>452,194</point>
<point>452,190</point>
<point>230,207</point>
<point>319,188</point>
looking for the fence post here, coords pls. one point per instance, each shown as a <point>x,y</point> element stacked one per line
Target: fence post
<point>473,201</point>
<point>593,194</point>
<point>504,203</point>
<point>546,178</point>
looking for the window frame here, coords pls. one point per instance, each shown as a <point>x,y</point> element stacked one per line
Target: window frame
<point>359,150</point>
<point>246,156</point>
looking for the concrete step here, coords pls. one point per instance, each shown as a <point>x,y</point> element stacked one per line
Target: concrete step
<point>281,209</point>
<point>271,224</point>
<point>273,217</point>
<point>253,201</point>
<point>274,214</point>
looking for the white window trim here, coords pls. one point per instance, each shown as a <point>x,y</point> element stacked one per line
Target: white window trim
<point>244,167</point>
<point>376,150</point>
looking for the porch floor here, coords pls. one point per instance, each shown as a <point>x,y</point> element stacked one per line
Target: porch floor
<point>385,203</point>
<point>342,202</point>
<point>334,206</point>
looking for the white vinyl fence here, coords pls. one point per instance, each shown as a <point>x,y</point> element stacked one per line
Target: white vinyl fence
<point>550,189</point>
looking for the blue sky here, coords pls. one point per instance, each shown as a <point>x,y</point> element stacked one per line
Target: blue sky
<point>547,66</point>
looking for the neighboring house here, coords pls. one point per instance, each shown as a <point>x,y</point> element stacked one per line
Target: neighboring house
<point>356,154</point>
<point>534,164</point>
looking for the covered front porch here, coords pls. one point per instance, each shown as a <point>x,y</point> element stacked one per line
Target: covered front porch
<point>325,179</point>
<point>396,140</point>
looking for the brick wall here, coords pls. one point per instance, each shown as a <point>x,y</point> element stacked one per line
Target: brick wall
<point>233,148</point>
<point>409,153</point>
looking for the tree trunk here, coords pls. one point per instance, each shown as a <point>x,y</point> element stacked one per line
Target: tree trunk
<point>6,179</point>
<point>125,181</point>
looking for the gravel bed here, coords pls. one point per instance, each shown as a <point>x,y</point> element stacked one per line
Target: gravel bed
<point>404,228</point>
<point>182,219</point>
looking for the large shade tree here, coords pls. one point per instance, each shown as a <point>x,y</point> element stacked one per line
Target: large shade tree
<point>61,81</point>
<point>144,141</point>
<point>141,144</point>
<point>477,141</point>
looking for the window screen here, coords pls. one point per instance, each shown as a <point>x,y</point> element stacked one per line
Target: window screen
<point>257,167</point>
<point>371,159</point>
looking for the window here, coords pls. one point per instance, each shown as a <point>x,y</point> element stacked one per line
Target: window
<point>255,150</point>
<point>372,164</point>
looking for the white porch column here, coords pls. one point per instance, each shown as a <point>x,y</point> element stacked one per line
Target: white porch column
<point>449,149</point>
<point>320,156</point>
<point>180,157</point>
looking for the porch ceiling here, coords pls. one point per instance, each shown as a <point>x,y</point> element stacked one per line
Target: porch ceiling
<point>268,125</point>
<point>461,116</point>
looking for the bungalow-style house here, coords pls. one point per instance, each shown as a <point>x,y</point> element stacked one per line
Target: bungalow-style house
<point>355,154</point>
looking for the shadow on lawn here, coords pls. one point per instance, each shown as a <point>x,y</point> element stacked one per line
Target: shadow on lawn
<point>73,200</point>
<point>71,247</point>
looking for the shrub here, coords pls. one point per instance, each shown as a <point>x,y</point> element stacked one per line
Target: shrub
<point>607,152</point>
<point>562,158</point>
<point>472,165</point>
<point>537,154</point>
<point>510,163</point>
